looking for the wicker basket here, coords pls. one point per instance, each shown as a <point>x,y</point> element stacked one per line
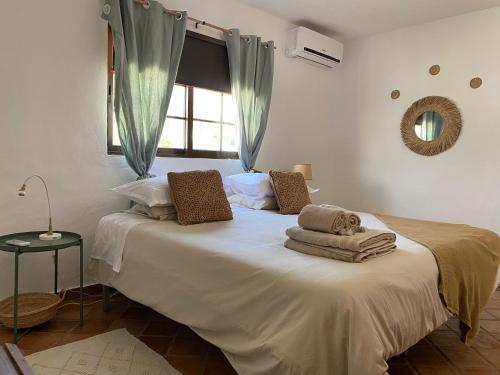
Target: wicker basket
<point>33,309</point>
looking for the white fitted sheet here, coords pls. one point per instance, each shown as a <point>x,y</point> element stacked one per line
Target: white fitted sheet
<point>272,310</point>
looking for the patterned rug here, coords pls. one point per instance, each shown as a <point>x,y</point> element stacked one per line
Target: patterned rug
<point>113,353</point>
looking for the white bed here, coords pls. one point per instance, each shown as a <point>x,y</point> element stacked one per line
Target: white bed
<point>272,310</point>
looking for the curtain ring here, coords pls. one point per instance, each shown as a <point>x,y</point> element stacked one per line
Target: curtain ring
<point>248,40</point>
<point>178,16</point>
<point>146,4</point>
<point>106,9</point>
<point>230,33</point>
<point>266,45</point>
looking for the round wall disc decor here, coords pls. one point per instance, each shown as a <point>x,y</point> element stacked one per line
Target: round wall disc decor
<point>431,125</point>
<point>434,70</point>
<point>395,94</point>
<point>476,82</point>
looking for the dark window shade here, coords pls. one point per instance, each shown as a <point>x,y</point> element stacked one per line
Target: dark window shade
<point>204,63</point>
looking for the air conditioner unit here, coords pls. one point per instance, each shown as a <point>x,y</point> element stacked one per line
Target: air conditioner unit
<point>314,47</point>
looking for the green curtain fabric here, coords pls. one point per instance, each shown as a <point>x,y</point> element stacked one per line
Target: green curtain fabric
<point>251,67</point>
<point>148,45</point>
<point>432,123</point>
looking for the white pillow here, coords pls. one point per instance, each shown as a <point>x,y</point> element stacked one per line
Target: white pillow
<point>254,185</point>
<point>241,200</point>
<point>149,192</point>
<point>311,190</point>
<point>157,212</point>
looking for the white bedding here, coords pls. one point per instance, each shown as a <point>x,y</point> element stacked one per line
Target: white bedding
<point>111,235</point>
<point>272,310</point>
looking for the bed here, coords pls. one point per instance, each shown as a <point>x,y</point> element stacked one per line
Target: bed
<point>272,310</point>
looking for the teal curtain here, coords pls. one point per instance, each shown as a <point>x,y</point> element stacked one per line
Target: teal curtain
<point>432,123</point>
<point>148,45</point>
<point>251,67</point>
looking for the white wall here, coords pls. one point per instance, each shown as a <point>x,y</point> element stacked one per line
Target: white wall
<point>53,121</point>
<point>376,172</point>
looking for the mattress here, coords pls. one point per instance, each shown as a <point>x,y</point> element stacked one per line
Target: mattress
<point>270,309</point>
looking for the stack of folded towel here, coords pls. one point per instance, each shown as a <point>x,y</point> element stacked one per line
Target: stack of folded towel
<point>332,232</point>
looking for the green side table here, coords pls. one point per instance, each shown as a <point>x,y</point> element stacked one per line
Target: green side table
<point>68,239</point>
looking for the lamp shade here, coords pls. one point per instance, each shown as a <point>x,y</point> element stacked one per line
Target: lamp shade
<point>305,169</point>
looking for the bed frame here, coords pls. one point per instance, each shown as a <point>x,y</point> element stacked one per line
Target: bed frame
<point>106,297</point>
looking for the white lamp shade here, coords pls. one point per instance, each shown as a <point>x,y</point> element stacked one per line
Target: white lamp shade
<point>305,169</point>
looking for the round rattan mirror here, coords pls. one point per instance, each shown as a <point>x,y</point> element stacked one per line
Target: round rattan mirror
<point>431,125</point>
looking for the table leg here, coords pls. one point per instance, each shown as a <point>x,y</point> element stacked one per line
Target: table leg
<point>16,292</point>
<point>106,297</point>
<point>81,282</point>
<point>56,266</point>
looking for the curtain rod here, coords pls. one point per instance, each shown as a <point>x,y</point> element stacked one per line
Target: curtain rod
<point>145,3</point>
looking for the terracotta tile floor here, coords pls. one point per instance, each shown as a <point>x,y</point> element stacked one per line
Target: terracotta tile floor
<point>440,353</point>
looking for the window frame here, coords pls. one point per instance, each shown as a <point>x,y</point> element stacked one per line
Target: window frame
<point>187,152</point>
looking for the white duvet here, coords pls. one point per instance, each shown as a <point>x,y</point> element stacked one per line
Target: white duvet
<point>273,310</point>
<point>110,237</point>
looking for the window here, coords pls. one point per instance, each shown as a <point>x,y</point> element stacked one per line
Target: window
<point>200,121</point>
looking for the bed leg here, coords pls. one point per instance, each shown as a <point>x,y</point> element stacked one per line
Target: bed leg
<point>106,293</point>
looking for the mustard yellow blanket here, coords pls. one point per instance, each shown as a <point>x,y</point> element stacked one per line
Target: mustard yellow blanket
<point>468,260</point>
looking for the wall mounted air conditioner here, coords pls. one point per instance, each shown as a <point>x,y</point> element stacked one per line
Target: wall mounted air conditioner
<point>314,47</point>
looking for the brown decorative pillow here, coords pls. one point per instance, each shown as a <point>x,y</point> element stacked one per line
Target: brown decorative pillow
<point>199,197</point>
<point>290,190</point>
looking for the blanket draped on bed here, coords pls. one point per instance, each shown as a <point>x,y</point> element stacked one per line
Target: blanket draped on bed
<point>468,260</point>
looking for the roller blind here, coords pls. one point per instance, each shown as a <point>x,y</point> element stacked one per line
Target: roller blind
<point>204,63</point>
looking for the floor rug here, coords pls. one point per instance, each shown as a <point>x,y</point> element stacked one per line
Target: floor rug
<point>113,353</point>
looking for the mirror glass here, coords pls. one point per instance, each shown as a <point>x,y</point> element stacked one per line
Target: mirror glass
<point>429,126</point>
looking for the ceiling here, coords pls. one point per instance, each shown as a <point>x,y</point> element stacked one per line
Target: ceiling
<point>348,19</point>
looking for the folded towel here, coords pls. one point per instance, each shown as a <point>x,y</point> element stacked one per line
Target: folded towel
<point>324,219</point>
<point>370,239</point>
<point>353,221</point>
<point>339,254</point>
